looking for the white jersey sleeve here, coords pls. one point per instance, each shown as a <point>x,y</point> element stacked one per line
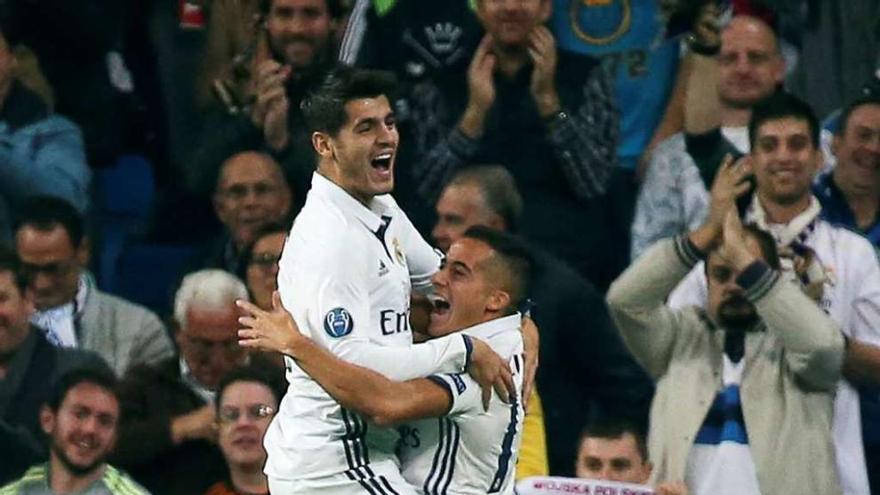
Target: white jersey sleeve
<point>466,393</point>
<point>342,324</point>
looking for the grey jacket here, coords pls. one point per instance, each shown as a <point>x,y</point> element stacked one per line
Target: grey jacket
<point>792,366</point>
<point>121,332</point>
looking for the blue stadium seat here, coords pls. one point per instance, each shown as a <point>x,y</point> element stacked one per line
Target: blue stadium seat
<point>148,274</point>
<point>123,208</point>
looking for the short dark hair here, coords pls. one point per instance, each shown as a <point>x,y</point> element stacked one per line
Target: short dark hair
<point>334,8</point>
<point>781,105</point>
<point>263,373</point>
<point>515,256</point>
<point>324,108</point>
<point>94,374</point>
<point>10,262</point>
<point>47,212</point>
<point>499,191</point>
<point>613,429</point>
<point>870,99</point>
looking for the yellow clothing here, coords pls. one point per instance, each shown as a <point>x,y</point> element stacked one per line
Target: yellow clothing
<point>533,451</point>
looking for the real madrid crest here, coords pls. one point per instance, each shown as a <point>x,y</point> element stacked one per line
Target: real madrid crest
<point>398,252</point>
<point>600,22</point>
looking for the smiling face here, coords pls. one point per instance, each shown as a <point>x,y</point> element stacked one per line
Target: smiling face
<point>857,149</point>
<point>360,157</point>
<point>244,413</point>
<point>299,31</point>
<point>83,430</point>
<point>785,160</point>
<point>467,288</point>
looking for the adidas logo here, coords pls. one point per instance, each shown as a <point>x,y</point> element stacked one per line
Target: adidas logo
<point>382,268</point>
<point>443,37</point>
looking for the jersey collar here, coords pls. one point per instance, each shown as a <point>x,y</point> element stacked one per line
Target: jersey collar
<point>371,217</point>
<point>489,329</point>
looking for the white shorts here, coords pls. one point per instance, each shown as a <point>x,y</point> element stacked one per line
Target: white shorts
<point>342,485</point>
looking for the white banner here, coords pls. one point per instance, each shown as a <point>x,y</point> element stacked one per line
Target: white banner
<point>554,485</point>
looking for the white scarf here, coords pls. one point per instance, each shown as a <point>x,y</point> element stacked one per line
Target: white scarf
<point>798,260</point>
<point>59,323</point>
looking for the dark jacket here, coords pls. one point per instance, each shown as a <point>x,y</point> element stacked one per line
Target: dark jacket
<point>585,370</point>
<point>150,396</point>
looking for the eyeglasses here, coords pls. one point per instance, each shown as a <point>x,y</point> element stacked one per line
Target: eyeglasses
<point>254,412</point>
<point>265,260</point>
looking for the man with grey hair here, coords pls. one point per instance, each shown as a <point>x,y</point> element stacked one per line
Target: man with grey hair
<point>166,435</point>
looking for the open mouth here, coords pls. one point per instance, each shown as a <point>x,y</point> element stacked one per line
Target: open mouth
<point>382,162</point>
<point>441,306</point>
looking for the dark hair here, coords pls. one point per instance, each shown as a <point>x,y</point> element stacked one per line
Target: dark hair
<point>613,429</point>
<point>101,376</point>
<point>781,105</point>
<point>334,8</point>
<point>870,99</point>
<point>264,374</point>
<point>9,262</point>
<point>324,108</point>
<point>515,256</point>
<point>499,191</point>
<point>44,213</point>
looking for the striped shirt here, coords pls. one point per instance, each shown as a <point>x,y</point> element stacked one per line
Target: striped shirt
<point>36,482</point>
<point>469,451</point>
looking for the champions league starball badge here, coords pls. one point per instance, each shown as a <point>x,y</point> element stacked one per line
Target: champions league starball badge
<point>338,323</point>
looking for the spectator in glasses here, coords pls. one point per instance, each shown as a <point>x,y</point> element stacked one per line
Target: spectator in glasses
<point>247,399</point>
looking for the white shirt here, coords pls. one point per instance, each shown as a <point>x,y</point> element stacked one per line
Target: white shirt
<point>470,451</point>
<point>349,290</point>
<point>723,464</point>
<point>853,302</point>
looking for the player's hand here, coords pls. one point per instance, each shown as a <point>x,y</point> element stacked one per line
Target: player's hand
<point>671,488</point>
<point>268,330</point>
<point>272,105</point>
<point>542,51</point>
<point>531,343</point>
<point>491,372</point>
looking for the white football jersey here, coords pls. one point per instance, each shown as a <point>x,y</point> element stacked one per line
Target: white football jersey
<point>470,451</point>
<point>346,273</point>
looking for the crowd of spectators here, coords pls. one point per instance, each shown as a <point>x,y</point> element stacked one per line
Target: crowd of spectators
<point>699,181</point>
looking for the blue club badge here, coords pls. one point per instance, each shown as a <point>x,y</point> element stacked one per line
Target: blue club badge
<point>338,323</point>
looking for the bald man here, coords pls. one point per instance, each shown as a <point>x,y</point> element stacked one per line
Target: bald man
<point>251,193</point>
<point>675,196</point>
